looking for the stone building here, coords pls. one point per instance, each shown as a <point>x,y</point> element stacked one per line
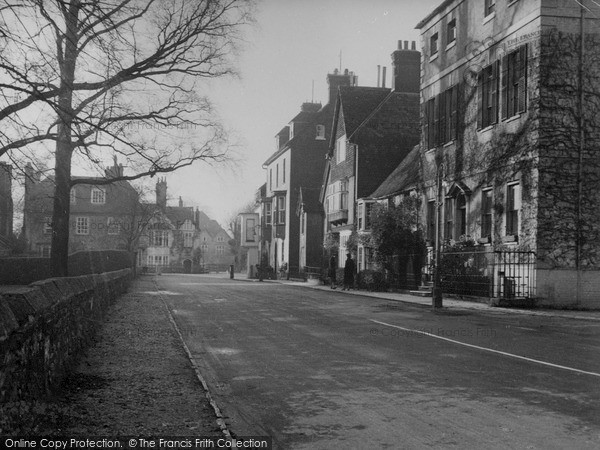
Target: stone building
<point>510,132</point>
<point>102,217</point>
<point>181,239</point>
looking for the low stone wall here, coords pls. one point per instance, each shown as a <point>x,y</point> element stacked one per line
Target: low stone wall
<point>43,327</point>
<point>557,288</point>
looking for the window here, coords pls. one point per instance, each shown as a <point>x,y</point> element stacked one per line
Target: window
<point>160,238</point>
<point>320,132</point>
<point>431,217</point>
<point>461,215</point>
<point>340,150</point>
<point>220,250</point>
<point>271,179</point>
<point>73,195</point>
<point>47,225</point>
<point>281,210</point>
<point>250,230</point>
<point>188,239</point>
<point>220,239</point>
<point>45,251</point>
<point>284,171</point>
<point>277,175</point>
<point>514,83</point>
<point>160,260</point>
<point>364,216</point>
<point>451,32</point>
<point>268,206</point>
<point>113,226</point>
<point>486,213</point>
<point>449,218</point>
<point>98,196</point>
<point>204,248</point>
<point>82,225</point>
<point>490,7</point>
<point>433,45</point>
<point>441,118</point>
<point>513,204</point>
<point>487,88</point>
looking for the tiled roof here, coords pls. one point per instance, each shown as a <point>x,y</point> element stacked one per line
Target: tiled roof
<point>357,104</point>
<point>404,177</point>
<point>179,214</point>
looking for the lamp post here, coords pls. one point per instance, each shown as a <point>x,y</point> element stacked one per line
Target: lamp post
<point>437,286</point>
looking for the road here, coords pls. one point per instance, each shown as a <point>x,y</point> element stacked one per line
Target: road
<point>324,369</point>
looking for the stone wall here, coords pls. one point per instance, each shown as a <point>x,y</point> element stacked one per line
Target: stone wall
<point>45,325</point>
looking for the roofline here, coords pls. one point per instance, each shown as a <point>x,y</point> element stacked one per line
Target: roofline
<point>435,12</point>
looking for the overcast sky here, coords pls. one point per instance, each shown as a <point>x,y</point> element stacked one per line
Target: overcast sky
<point>294,43</point>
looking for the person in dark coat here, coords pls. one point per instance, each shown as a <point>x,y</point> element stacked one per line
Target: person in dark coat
<point>332,269</point>
<point>349,269</point>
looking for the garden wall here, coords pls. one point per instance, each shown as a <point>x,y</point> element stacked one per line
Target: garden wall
<point>45,325</point>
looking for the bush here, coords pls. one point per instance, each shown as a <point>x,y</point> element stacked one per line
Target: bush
<point>372,281</point>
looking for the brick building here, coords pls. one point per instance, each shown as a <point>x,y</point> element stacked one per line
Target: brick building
<point>102,217</point>
<point>510,132</point>
<point>374,128</point>
<point>297,163</point>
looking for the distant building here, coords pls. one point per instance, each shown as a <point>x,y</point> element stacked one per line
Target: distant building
<point>6,208</point>
<point>102,216</point>
<point>177,238</point>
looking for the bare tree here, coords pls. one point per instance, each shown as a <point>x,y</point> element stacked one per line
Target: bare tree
<point>83,80</point>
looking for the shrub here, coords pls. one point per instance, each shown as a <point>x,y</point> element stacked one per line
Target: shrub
<point>372,281</point>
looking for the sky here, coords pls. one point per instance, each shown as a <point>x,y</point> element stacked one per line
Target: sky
<point>293,44</point>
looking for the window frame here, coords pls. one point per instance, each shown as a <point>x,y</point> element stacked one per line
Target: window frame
<point>513,208</point>
<point>98,196</point>
<point>82,225</point>
<point>487,217</point>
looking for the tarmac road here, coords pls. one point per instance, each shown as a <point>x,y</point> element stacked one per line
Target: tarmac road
<point>324,369</point>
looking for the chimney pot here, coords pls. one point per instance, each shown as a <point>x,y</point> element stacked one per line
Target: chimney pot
<point>378,74</point>
<point>399,45</point>
<point>383,77</point>
<point>405,45</point>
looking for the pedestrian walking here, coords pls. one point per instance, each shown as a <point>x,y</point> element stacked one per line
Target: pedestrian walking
<point>331,272</point>
<point>349,269</point>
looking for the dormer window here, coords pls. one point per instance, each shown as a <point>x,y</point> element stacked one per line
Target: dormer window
<point>320,133</point>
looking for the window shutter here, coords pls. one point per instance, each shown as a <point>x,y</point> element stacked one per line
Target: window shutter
<point>522,79</point>
<point>494,91</point>
<point>436,121</point>
<point>426,125</point>
<point>480,76</point>
<point>442,119</point>
<point>504,89</point>
<point>454,113</point>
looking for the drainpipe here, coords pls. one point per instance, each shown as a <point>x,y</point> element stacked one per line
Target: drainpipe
<point>578,243</point>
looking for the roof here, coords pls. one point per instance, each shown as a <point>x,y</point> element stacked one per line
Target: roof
<point>404,177</point>
<point>179,214</point>
<point>431,15</point>
<point>357,103</point>
<point>306,133</point>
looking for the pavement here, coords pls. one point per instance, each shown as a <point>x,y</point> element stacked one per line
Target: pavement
<point>448,303</point>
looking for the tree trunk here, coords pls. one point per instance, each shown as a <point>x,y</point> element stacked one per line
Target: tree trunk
<point>64,148</point>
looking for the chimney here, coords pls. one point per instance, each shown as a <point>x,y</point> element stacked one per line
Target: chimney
<point>161,193</point>
<point>180,202</point>
<point>378,75</point>
<point>335,80</point>
<point>406,65</point>
<point>310,107</point>
<point>6,202</point>
<point>383,77</point>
